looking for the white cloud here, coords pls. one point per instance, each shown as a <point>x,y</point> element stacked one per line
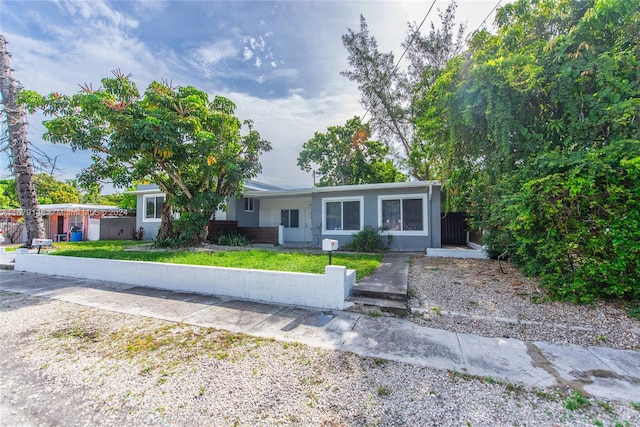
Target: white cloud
<point>145,9</point>
<point>247,54</point>
<point>205,58</point>
<point>98,11</point>
<point>258,44</point>
<point>288,123</point>
<point>92,38</point>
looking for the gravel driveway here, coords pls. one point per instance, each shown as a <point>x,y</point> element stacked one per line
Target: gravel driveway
<point>65,364</point>
<point>494,299</point>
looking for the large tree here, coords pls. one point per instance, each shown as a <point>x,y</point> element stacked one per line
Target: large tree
<point>192,147</point>
<point>344,155</point>
<point>20,158</point>
<point>389,92</point>
<point>49,190</point>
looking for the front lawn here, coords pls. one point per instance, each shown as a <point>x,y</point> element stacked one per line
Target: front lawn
<point>259,259</point>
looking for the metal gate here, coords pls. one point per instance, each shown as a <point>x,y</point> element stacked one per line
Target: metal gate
<point>453,226</point>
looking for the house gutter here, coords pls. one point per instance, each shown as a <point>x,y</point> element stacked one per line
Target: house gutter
<point>362,187</point>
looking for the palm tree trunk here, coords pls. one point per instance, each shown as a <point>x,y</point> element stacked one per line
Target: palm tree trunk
<point>20,159</point>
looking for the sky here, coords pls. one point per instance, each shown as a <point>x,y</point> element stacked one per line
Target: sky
<point>278,61</point>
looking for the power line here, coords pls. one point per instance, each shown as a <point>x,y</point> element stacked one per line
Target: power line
<point>483,21</point>
<point>415,34</point>
<point>413,37</point>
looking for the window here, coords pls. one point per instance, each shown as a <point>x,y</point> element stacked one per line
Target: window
<point>405,214</point>
<point>248,204</point>
<point>75,222</point>
<point>153,208</point>
<point>342,216</point>
<point>290,218</point>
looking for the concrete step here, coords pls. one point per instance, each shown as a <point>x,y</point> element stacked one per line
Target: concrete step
<point>7,266</point>
<point>391,292</point>
<point>377,305</point>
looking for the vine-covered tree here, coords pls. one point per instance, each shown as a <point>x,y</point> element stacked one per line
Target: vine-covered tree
<point>192,147</point>
<point>537,129</point>
<point>345,156</point>
<point>20,159</point>
<point>389,93</point>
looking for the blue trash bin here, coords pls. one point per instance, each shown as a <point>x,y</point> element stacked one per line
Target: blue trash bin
<point>76,236</point>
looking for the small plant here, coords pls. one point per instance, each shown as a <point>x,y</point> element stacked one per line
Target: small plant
<point>633,311</point>
<point>606,406</point>
<point>411,293</point>
<point>313,398</point>
<point>202,390</point>
<point>635,405</point>
<point>221,355</point>
<point>577,401</point>
<point>137,233</point>
<point>436,310</point>
<point>161,380</point>
<point>384,391</point>
<point>231,238</point>
<point>515,388</point>
<point>538,298</point>
<point>379,362</point>
<point>546,396</point>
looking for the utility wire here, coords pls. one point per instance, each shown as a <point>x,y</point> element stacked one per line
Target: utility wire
<point>413,37</point>
<point>483,21</point>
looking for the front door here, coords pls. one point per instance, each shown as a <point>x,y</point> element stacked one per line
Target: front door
<point>307,225</point>
<point>60,224</point>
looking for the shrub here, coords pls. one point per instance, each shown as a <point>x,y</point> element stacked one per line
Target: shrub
<point>168,242</point>
<point>137,233</point>
<point>191,227</point>
<point>578,227</point>
<point>231,238</point>
<point>369,239</point>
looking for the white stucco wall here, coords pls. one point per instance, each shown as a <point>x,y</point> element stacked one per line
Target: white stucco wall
<point>326,291</point>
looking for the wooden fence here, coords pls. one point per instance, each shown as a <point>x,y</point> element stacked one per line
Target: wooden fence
<point>253,234</point>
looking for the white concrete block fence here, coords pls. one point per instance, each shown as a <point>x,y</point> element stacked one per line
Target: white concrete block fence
<point>326,291</point>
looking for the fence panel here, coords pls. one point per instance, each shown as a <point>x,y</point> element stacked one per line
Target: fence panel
<point>453,228</point>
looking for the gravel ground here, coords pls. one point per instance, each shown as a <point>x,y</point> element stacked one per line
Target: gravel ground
<point>494,299</point>
<point>64,364</point>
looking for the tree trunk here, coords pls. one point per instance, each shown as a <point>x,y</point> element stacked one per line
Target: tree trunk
<point>20,159</point>
<point>165,231</point>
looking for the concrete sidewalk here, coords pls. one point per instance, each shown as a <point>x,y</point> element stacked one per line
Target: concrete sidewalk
<point>597,371</point>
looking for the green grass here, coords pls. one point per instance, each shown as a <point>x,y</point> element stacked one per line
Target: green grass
<point>364,264</point>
